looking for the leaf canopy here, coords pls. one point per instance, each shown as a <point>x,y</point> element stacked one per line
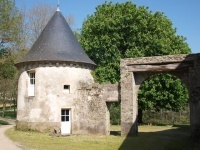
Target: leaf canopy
<point>123,30</point>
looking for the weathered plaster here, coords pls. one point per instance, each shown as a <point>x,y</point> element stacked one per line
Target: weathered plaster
<point>86,100</point>
<point>49,97</point>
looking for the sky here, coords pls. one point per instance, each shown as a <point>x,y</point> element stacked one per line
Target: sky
<point>184,14</point>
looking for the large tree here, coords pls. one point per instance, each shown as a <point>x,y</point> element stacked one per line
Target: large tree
<point>123,30</point>
<point>10,31</point>
<point>7,83</point>
<point>10,19</point>
<point>162,91</point>
<point>37,18</point>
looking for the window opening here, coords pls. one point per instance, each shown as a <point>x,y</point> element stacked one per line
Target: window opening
<point>66,88</point>
<point>31,86</point>
<point>32,78</point>
<point>65,115</point>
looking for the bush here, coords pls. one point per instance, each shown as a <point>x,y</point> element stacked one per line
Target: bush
<point>167,117</point>
<point>3,122</point>
<point>115,112</point>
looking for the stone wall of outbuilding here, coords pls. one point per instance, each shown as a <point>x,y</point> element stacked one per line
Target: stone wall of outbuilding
<point>92,112</point>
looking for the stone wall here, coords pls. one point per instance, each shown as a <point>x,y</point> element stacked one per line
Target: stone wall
<point>135,70</point>
<point>50,96</point>
<point>194,77</point>
<point>86,100</point>
<point>92,114</point>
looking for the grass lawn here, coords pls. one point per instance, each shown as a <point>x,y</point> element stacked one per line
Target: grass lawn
<point>149,138</point>
<point>9,113</point>
<point>3,122</point>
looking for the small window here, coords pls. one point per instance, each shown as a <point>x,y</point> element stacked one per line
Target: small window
<point>31,84</point>
<point>32,78</point>
<point>66,88</point>
<point>64,115</point>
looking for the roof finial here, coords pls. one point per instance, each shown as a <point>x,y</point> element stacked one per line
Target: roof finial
<point>58,9</point>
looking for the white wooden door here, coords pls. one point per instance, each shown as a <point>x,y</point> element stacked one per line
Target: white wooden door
<point>65,122</point>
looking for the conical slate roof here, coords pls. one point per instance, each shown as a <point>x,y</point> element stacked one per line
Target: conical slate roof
<point>57,43</point>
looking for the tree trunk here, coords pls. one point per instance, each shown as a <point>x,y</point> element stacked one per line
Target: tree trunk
<point>140,116</point>
<point>14,102</point>
<point>4,108</point>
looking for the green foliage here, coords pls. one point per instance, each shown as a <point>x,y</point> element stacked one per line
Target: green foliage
<point>11,41</point>
<point>9,114</point>
<point>167,117</point>
<point>124,30</point>
<point>10,25</point>
<point>3,122</point>
<point>162,91</point>
<point>115,113</point>
<point>7,69</point>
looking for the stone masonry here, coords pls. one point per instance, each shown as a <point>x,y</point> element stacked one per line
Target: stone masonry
<point>135,70</point>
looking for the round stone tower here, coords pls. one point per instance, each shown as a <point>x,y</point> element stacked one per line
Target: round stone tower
<point>49,76</point>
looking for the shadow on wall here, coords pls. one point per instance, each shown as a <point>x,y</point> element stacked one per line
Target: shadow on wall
<point>160,138</point>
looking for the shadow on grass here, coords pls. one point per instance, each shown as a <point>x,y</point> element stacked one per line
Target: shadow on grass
<point>115,133</point>
<point>175,138</point>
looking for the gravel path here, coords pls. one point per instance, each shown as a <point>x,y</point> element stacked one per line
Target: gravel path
<point>6,143</point>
